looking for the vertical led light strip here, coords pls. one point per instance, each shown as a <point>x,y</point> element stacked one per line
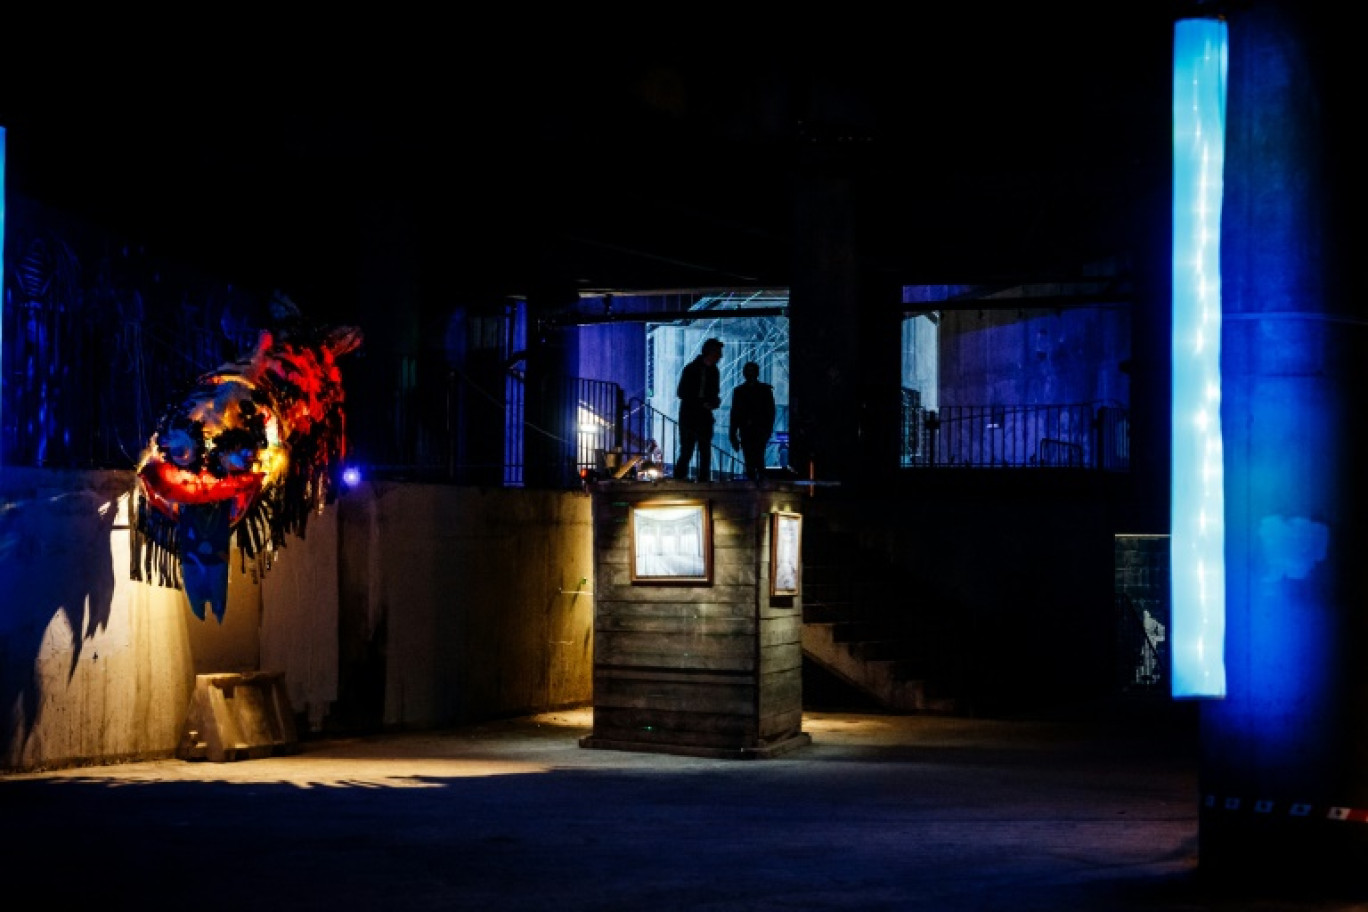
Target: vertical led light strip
<point>2,295</point>
<point>1197,542</point>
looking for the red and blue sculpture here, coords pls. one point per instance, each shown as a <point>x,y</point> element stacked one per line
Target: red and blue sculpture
<point>252,449</point>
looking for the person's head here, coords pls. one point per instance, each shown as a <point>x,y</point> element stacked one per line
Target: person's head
<point>712,350</point>
<point>751,371</point>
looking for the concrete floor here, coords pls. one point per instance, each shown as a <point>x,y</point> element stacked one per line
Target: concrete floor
<point>1094,810</point>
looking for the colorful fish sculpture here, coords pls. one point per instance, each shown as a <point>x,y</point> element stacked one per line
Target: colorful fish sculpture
<point>253,448</point>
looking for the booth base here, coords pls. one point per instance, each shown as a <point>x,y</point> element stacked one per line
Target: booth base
<point>761,752</point>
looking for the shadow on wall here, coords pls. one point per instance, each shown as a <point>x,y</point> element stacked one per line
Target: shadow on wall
<point>56,580</point>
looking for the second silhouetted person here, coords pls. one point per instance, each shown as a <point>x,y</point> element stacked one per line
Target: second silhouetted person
<point>752,420</point>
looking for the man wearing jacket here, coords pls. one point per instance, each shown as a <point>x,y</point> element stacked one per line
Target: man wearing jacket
<point>699,394</point>
<point>752,420</point>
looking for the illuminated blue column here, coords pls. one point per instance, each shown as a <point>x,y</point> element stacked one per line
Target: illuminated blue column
<point>1197,537</point>
<point>1284,757</point>
<point>2,295</point>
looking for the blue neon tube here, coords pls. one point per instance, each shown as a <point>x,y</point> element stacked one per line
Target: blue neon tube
<point>1197,543</point>
<point>2,290</point>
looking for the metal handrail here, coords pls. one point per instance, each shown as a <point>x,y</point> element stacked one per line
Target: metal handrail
<point>653,437</point>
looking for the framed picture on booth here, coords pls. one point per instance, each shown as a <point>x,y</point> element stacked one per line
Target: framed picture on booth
<point>786,550</point>
<point>671,542</point>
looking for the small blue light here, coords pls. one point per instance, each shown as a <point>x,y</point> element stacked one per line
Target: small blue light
<point>351,476</point>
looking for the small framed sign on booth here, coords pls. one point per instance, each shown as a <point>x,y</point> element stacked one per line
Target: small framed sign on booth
<point>786,537</point>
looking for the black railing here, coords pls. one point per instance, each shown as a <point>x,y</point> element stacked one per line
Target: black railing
<point>1080,435</point>
<point>654,437</point>
<point>564,427</point>
<point>422,418</point>
<point>492,428</point>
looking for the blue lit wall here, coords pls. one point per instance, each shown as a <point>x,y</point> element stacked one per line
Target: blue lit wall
<point>1292,347</point>
<point>1292,729</point>
<point>1198,496</point>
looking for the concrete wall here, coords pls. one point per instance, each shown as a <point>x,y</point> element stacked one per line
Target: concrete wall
<point>463,603</point>
<point>92,665</point>
<point>1015,567</point>
<point>410,606</point>
<point>404,606</point>
<point>1032,357</point>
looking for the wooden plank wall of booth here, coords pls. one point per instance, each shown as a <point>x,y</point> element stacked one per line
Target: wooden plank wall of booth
<point>693,654</point>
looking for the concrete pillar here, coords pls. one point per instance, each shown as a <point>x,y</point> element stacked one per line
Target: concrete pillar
<point>880,367</point>
<point>824,326</point>
<point>1284,756</point>
<point>476,351</point>
<point>845,355</point>
<point>1151,365</point>
<point>548,421</point>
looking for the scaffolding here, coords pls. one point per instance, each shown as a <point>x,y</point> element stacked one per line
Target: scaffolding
<point>762,338</point>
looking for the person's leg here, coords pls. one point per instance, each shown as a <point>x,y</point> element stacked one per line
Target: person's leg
<point>754,452</point>
<point>705,435</point>
<point>687,442</point>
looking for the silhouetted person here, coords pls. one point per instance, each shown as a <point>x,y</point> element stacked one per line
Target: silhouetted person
<point>752,420</point>
<point>699,393</point>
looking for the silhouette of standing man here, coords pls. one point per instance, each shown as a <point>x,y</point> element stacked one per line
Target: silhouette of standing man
<point>699,393</point>
<point>752,420</point>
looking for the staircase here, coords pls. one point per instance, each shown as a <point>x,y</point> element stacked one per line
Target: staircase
<point>865,625</point>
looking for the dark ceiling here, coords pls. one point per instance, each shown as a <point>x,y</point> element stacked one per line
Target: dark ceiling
<point>974,147</point>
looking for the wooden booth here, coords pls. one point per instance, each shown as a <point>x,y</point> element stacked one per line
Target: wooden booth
<point>698,618</point>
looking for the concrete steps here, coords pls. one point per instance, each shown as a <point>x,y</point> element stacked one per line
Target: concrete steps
<point>875,667</point>
<point>903,656</point>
